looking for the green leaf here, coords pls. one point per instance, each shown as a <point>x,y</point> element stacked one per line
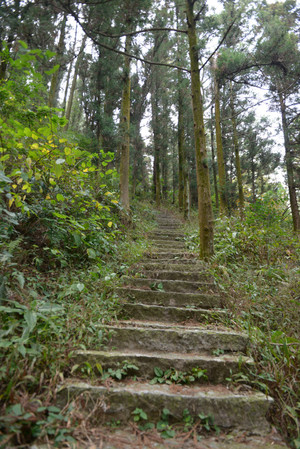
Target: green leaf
<point>91,253</point>
<point>60,197</point>
<point>31,319</point>
<point>4,178</point>
<point>20,278</point>
<point>23,44</point>
<point>158,372</point>
<point>53,70</point>
<point>80,287</point>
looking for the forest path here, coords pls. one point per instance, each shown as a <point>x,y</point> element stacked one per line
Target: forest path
<point>171,330</point>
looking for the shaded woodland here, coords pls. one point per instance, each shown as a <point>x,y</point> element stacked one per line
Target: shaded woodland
<point>109,109</point>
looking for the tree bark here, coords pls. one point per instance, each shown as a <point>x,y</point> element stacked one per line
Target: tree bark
<point>213,156</point>
<point>74,81</point>
<point>289,165</point>
<point>237,155</point>
<point>203,185</point>
<point>220,153</point>
<point>125,131</point>
<point>60,49</point>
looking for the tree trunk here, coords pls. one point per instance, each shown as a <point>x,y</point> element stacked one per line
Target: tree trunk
<point>74,81</point>
<point>289,166</point>
<point>180,147</point>
<point>125,131</point>
<point>60,49</point>
<point>213,156</point>
<point>156,137</point>
<point>237,155</point>
<point>203,186</point>
<point>220,154</point>
<point>69,72</point>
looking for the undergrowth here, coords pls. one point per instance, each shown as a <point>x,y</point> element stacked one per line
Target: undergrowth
<point>256,265</point>
<point>45,315</point>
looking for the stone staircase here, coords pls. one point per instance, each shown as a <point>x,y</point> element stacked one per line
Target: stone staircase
<point>172,318</point>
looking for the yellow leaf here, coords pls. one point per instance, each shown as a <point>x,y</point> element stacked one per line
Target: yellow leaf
<point>108,193</point>
<point>11,202</point>
<point>115,201</point>
<point>14,186</point>
<point>62,140</point>
<point>19,181</point>
<point>34,136</point>
<point>48,197</point>
<point>37,176</point>
<point>109,224</point>
<point>24,186</point>
<point>67,151</point>
<point>24,197</point>
<point>35,146</point>
<point>85,170</point>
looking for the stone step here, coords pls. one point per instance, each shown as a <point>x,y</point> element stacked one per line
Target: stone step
<point>192,265</point>
<point>168,244</point>
<point>172,314</point>
<point>178,236</point>
<point>169,226</point>
<point>138,335</point>
<point>168,275</point>
<point>175,299</point>
<point>230,409</point>
<point>155,254</point>
<point>169,286</point>
<point>124,438</point>
<point>217,368</point>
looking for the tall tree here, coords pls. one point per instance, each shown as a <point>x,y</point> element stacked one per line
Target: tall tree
<point>203,183</point>
<point>278,50</point>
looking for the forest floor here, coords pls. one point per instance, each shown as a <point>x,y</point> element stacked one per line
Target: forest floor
<point>257,272</point>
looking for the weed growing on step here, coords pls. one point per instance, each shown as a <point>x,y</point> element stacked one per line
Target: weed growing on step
<point>256,267</point>
<point>121,371</point>
<point>168,427</point>
<point>157,286</point>
<point>173,376</point>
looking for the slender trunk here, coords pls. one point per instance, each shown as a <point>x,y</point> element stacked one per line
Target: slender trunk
<point>125,130</point>
<point>74,81</point>
<point>55,76</point>
<point>69,72</point>
<point>4,60</point>
<point>237,155</point>
<point>289,166</point>
<point>253,180</point>
<point>180,147</point>
<point>220,153</point>
<point>203,185</point>
<point>173,174</point>
<point>213,157</point>
<point>156,137</point>
<point>164,169</point>
<point>186,198</point>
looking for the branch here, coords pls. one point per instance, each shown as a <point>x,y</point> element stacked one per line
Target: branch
<point>120,52</point>
<point>219,45</point>
<point>145,30</point>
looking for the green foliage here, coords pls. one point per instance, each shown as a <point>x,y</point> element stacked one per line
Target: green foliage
<point>173,376</point>
<point>256,264</point>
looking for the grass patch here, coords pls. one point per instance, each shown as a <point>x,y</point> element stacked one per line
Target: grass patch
<point>256,265</point>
